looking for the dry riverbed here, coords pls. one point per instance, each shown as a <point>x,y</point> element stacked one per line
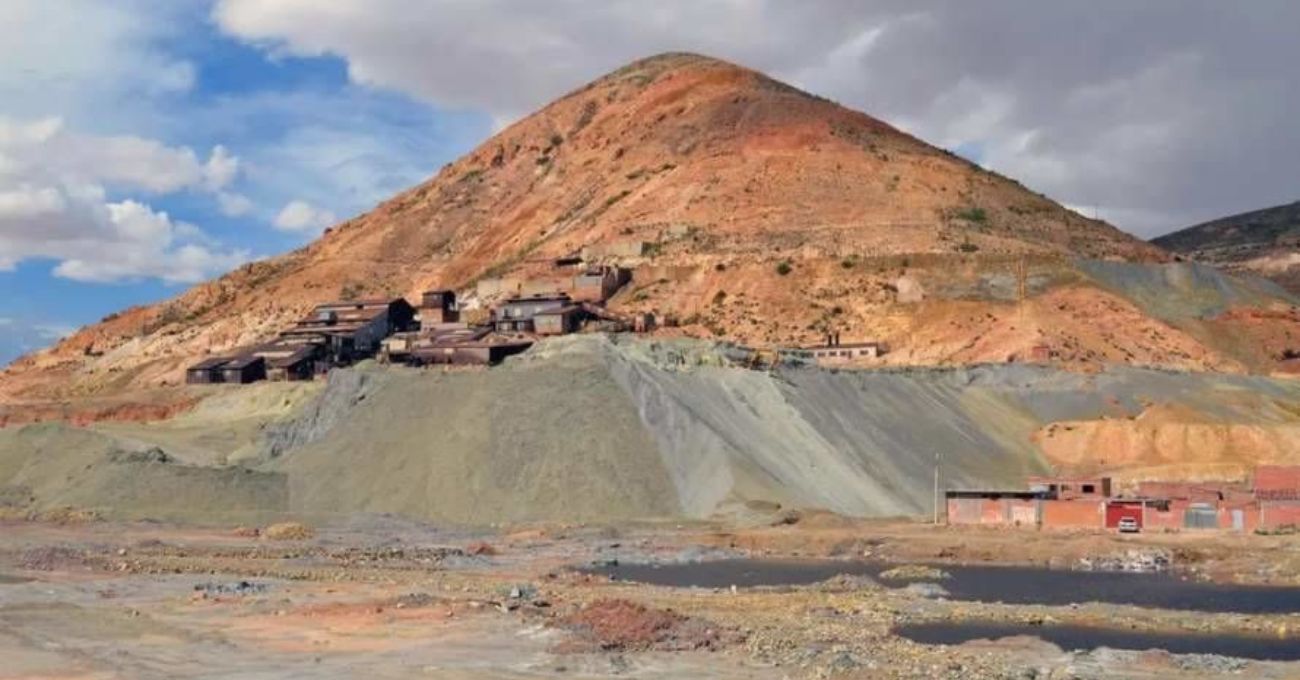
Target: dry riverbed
<point>386,599</point>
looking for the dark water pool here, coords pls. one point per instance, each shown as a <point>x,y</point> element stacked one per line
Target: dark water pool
<point>9,578</point>
<point>1012,585</point>
<point>1073,638</point>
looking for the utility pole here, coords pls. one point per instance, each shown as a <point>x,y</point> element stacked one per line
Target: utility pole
<point>936,488</point>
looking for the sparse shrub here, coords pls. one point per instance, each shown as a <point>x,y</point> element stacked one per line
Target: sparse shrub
<point>784,267</point>
<point>617,197</point>
<point>848,263</point>
<point>288,531</point>
<point>968,247</point>
<point>976,215</point>
<point>720,267</point>
<point>350,291</point>
<point>719,297</point>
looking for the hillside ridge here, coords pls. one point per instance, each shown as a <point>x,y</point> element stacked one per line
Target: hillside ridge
<point>1264,242</point>
<point>746,208</point>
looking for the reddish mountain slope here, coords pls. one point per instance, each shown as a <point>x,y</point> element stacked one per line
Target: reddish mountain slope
<point>772,215</point>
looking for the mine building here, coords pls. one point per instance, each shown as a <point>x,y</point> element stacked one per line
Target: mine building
<point>481,352</point>
<point>595,284</point>
<point>1071,488</point>
<point>351,331</point>
<point>1278,489</point>
<point>438,307</point>
<point>243,370</point>
<point>1015,508</point>
<point>517,315</point>
<point>1277,482</point>
<point>468,345</point>
<point>558,321</point>
<point>834,352</point>
<point>1270,502</point>
<point>287,361</point>
<point>207,371</point>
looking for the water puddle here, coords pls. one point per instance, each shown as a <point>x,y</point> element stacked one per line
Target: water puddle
<point>1010,585</point>
<point>1086,638</point>
<point>6,579</point>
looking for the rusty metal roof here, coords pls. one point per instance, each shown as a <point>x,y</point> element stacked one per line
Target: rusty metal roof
<point>240,363</point>
<point>304,353</point>
<point>210,363</point>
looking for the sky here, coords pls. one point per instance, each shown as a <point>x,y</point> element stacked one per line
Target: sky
<point>146,145</point>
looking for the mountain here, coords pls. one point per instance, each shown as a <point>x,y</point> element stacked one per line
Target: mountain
<point>1264,242</point>
<point>760,214</point>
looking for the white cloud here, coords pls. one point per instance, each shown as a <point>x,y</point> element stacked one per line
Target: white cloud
<point>98,241</point>
<point>221,169</point>
<point>300,215</point>
<point>44,150</point>
<point>73,187</point>
<point>1158,111</point>
<point>234,205</point>
<point>88,60</point>
<point>55,203</point>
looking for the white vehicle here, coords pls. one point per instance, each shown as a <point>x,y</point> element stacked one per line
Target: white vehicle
<point>1128,525</point>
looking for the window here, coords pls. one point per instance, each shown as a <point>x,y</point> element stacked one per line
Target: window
<point>1089,488</point>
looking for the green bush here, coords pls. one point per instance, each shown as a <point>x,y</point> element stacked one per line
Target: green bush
<point>973,215</point>
<point>784,267</point>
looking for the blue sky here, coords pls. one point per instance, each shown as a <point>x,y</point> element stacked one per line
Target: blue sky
<point>300,131</point>
<point>149,144</point>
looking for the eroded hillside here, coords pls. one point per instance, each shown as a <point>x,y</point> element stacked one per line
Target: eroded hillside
<point>594,428</point>
<point>731,182</point>
<point>1264,242</point>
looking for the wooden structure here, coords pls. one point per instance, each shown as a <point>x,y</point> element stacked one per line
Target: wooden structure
<point>517,315</point>
<point>206,372</point>
<point>438,307</point>
<point>243,370</point>
<point>559,321</point>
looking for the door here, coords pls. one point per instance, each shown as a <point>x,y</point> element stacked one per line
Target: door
<point>1238,520</point>
<point>1201,516</point>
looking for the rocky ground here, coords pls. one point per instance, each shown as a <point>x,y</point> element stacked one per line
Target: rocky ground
<point>385,598</point>
<point>608,428</point>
